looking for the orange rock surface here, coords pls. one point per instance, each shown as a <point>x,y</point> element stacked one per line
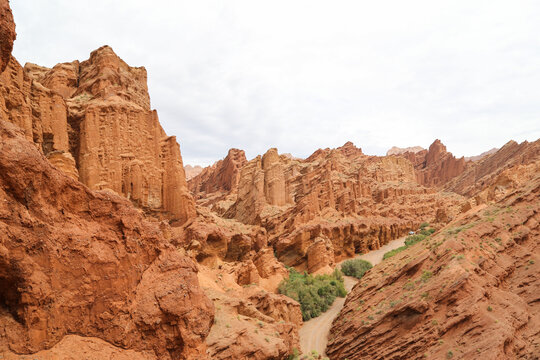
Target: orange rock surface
<point>7,33</point>
<point>334,204</point>
<point>471,291</point>
<point>485,172</point>
<point>192,171</point>
<point>222,176</point>
<point>93,121</point>
<point>75,261</point>
<point>436,166</point>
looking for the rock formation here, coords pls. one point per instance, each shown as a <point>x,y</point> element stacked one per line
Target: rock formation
<point>7,33</point>
<point>471,291</point>
<point>222,176</point>
<point>75,261</point>
<point>482,155</point>
<point>435,166</point>
<point>192,171</point>
<point>485,172</point>
<point>397,150</point>
<point>93,121</point>
<point>252,322</point>
<point>337,200</point>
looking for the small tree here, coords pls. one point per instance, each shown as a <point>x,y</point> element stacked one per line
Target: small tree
<point>355,267</point>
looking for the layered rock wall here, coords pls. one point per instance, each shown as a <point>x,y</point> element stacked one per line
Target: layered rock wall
<point>224,175</point>
<point>93,121</point>
<point>75,261</point>
<point>470,291</point>
<point>7,33</point>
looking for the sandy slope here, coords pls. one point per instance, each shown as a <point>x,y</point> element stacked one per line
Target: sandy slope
<point>314,333</point>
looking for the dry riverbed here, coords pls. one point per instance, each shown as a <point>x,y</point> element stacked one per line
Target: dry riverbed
<point>314,332</point>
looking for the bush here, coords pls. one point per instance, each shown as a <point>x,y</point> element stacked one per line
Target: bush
<point>427,232</point>
<point>391,253</point>
<point>314,293</point>
<point>409,241</point>
<point>413,239</point>
<point>424,225</point>
<point>355,267</point>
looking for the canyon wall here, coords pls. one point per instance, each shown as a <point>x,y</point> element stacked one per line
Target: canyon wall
<point>222,176</point>
<point>92,120</point>
<point>435,166</point>
<point>485,172</point>
<point>470,291</point>
<point>337,199</point>
<point>75,261</point>
<point>7,33</point>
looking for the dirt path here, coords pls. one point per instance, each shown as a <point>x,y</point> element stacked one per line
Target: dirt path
<point>314,333</point>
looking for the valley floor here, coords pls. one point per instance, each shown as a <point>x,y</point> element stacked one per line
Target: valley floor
<point>314,333</point>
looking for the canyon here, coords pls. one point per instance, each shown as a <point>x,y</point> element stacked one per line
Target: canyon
<point>111,248</point>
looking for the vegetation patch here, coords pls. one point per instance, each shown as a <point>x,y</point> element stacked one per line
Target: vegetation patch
<point>356,267</point>
<point>413,239</point>
<point>314,293</point>
<point>391,253</point>
<point>409,241</point>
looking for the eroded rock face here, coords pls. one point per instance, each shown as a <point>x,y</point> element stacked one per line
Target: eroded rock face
<point>251,323</point>
<point>485,172</point>
<point>469,292</point>
<point>7,33</point>
<point>74,347</point>
<point>222,176</point>
<point>397,150</point>
<point>192,171</point>
<point>75,261</point>
<point>334,204</point>
<point>93,121</point>
<point>438,166</point>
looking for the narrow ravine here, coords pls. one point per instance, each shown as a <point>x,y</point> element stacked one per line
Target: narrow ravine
<point>314,332</point>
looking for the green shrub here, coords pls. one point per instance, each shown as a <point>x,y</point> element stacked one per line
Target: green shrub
<point>355,267</point>
<point>314,293</point>
<point>426,232</point>
<point>413,239</point>
<point>424,225</point>
<point>426,275</point>
<point>391,253</point>
<point>409,241</point>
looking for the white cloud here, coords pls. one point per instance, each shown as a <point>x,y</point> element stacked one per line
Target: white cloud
<point>299,75</point>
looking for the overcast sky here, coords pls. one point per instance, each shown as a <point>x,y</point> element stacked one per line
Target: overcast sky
<point>302,75</point>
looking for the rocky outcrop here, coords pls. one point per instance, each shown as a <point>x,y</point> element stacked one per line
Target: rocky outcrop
<point>439,166</point>
<point>470,291</point>
<point>482,155</point>
<point>334,204</point>
<point>7,33</point>
<point>75,261</point>
<point>74,347</point>
<point>93,121</point>
<point>262,183</point>
<point>192,171</point>
<point>485,173</point>
<point>252,321</point>
<point>210,239</point>
<point>222,176</point>
<point>394,150</point>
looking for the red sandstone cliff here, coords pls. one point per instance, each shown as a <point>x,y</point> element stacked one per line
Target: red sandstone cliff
<point>93,121</point>
<point>471,291</point>
<point>438,166</point>
<point>192,171</point>
<point>222,176</point>
<point>485,172</point>
<point>337,199</point>
<point>7,33</point>
<point>74,261</point>
<point>82,273</point>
